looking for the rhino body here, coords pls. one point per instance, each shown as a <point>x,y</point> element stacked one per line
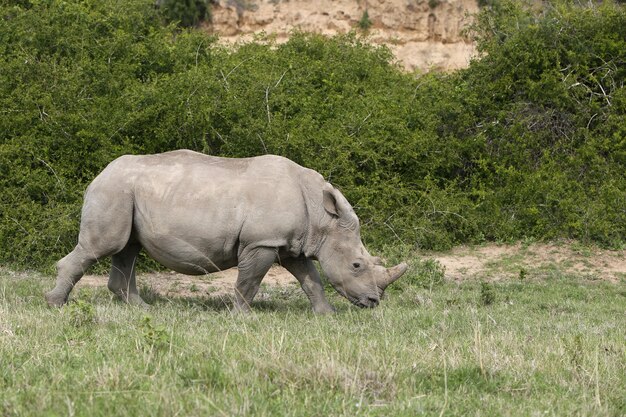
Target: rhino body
<point>198,214</point>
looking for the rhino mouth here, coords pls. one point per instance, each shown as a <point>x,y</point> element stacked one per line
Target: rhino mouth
<point>364,302</point>
<point>370,303</point>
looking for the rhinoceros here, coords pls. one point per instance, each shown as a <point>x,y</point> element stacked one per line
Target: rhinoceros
<point>198,214</point>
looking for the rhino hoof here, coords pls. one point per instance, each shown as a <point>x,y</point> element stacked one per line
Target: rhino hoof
<point>326,309</point>
<point>54,300</point>
<point>133,300</point>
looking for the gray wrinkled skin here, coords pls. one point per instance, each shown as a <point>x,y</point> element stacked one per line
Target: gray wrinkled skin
<point>198,214</point>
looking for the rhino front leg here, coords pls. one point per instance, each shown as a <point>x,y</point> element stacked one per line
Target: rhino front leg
<point>122,281</point>
<point>304,271</point>
<point>253,265</point>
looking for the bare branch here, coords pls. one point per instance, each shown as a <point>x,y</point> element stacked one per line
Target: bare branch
<point>53,172</point>
<point>263,143</point>
<point>267,104</point>
<point>281,78</point>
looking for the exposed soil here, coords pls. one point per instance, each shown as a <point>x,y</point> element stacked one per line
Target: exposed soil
<point>491,262</point>
<point>540,260</point>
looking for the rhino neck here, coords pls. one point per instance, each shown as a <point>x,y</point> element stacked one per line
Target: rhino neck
<point>317,222</point>
<point>314,239</point>
<point>325,251</point>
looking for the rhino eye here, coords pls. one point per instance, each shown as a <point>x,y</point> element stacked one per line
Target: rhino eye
<point>356,265</point>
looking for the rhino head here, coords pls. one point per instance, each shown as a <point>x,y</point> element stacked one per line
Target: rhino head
<point>351,270</point>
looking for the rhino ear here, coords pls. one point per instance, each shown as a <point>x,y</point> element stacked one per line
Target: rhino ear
<point>330,202</point>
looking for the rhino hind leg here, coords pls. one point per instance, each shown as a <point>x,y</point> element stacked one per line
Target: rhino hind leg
<point>253,265</point>
<point>304,271</point>
<point>122,281</point>
<point>70,270</point>
<point>104,231</point>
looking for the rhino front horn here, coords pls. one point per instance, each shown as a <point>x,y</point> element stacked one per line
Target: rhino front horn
<point>393,274</point>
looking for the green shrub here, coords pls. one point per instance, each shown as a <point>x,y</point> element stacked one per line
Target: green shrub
<point>543,100</point>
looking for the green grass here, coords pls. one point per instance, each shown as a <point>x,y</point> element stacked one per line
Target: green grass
<point>555,347</point>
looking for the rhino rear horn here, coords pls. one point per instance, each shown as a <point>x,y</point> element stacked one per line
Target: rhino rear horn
<point>393,274</point>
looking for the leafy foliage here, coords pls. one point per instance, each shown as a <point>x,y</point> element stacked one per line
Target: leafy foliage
<point>81,313</point>
<point>529,141</point>
<point>155,337</point>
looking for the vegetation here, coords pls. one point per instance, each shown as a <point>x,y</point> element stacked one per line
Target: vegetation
<point>552,345</point>
<point>365,22</point>
<point>186,13</point>
<point>529,141</point>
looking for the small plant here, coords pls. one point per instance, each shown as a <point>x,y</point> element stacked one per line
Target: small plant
<point>487,294</point>
<point>522,274</point>
<point>576,353</point>
<point>433,3</point>
<point>365,23</point>
<point>154,336</point>
<point>81,313</point>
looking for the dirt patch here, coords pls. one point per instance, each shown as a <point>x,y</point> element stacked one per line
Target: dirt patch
<point>489,262</point>
<point>539,260</point>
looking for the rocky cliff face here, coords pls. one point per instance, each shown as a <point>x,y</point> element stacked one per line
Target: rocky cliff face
<point>423,34</point>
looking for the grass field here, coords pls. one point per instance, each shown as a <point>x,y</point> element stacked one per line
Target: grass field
<point>536,344</point>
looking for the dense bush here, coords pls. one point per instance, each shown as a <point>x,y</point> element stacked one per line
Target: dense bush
<point>547,102</point>
<point>529,141</point>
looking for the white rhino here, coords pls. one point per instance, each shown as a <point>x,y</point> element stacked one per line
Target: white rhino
<point>198,214</point>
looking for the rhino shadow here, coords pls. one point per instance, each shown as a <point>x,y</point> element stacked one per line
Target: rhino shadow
<point>219,303</point>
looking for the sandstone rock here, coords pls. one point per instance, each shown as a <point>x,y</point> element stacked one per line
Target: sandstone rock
<point>422,34</point>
